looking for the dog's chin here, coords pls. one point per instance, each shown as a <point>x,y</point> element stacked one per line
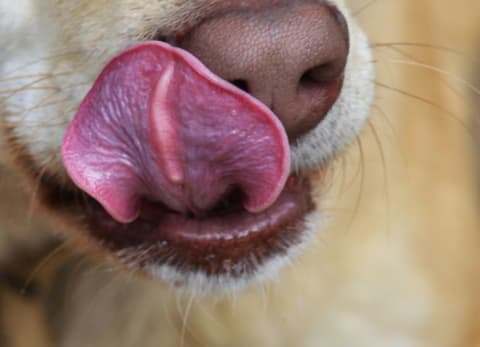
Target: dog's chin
<point>265,270</point>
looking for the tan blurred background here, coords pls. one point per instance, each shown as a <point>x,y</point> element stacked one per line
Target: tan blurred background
<point>423,184</point>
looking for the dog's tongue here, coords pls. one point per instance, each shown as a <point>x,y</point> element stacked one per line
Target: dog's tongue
<point>158,126</point>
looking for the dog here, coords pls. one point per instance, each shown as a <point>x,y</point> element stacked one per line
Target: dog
<point>226,170</point>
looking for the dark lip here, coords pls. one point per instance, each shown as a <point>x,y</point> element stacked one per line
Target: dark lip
<point>235,243</point>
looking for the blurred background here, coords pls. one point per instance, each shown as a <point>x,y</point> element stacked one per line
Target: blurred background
<point>416,172</point>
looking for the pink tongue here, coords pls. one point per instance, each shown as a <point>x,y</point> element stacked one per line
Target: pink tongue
<point>157,125</point>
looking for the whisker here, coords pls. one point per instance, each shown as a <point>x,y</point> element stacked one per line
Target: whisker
<point>362,8</point>
<point>394,132</point>
<point>41,77</point>
<point>343,170</point>
<point>40,60</point>
<point>383,158</point>
<point>361,172</point>
<point>427,102</point>
<point>388,121</point>
<point>445,49</point>
<point>42,263</point>
<point>24,87</point>
<point>452,75</point>
<point>24,77</point>
<point>185,317</point>
<point>17,90</point>
<point>409,56</point>
<point>41,105</point>
<point>36,187</point>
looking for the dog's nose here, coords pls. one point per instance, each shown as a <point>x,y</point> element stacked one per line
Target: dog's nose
<point>291,57</point>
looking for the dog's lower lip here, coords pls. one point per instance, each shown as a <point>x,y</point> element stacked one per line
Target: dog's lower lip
<point>205,244</point>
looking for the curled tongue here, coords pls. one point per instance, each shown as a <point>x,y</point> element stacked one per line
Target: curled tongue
<point>157,125</point>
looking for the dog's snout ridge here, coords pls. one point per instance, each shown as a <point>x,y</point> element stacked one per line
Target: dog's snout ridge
<point>290,57</point>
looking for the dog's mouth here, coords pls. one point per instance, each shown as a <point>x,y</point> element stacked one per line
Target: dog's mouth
<point>183,169</point>
<point>227,241</point>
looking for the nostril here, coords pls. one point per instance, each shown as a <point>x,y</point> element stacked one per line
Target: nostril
<point>241,84</point>
<point>322,74</point>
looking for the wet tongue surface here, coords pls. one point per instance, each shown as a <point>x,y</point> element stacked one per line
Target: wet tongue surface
<point>157,125</point>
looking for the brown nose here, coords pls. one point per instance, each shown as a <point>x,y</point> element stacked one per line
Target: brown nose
<point>291,57</point>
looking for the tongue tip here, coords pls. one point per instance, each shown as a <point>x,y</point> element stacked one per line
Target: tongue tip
<point>124,207</point>
<point>257,204</point>
<point>123,219</point>
<point>120,212</point>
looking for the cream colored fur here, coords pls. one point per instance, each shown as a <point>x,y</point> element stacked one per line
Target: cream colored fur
<point>396,256</point>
